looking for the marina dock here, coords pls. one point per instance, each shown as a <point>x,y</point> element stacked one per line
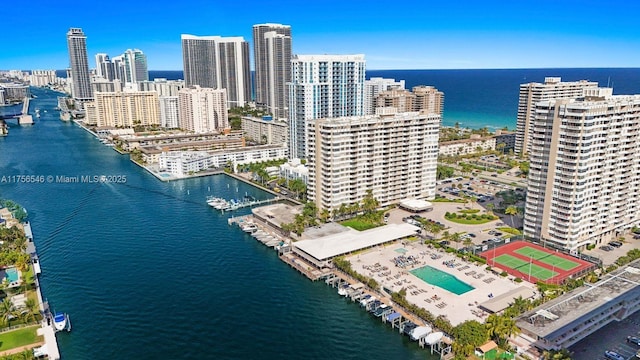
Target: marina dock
<point>230,205</point>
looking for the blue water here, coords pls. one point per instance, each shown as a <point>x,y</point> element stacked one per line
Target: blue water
<point>11,274</point>
<point>442,280</point>
<point>146,270</point>
<point>479,98</point>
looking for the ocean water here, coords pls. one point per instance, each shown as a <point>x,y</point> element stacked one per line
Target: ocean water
<point>479,98</point>
<point>146,270</point>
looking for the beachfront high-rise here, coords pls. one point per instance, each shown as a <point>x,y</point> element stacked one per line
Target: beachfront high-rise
<point>202,110</point>
<point>373,87</point>
<point>422,98</point>
<point>393,155</point>
<point>272,58</point>
<point>584,178</point>
<point>531,93</point>
<point>323,86</point>
<point>79,63</point>
<point>219,63</point>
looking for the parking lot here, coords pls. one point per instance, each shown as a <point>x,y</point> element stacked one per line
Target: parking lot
<point>611,337</point>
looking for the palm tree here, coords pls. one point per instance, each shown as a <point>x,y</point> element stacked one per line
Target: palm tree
<point>456,237</point>
<point>32,306</point>
<point>490,207</point>
<point>511,210</point>
<point>6,310</point>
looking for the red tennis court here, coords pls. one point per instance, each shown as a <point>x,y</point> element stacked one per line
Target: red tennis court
<point>533,263</point>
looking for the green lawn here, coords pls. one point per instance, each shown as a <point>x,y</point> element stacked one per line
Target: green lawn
<point>20,337</point>
<point>461,201</point>
<point>463,220</point>
<point>469,211</point>
<point>359,225</point>
<point>509,230</point>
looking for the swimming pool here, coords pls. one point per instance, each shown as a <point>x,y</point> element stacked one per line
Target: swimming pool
<point>441,279</point>
<point>11,274</point>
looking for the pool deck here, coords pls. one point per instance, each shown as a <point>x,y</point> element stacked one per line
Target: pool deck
<point>457,308</point>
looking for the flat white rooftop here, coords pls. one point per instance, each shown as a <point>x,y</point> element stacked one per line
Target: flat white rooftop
<point>415,204</point>
<point>345,242</point>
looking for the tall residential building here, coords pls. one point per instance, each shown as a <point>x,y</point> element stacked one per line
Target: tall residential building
<point>323,86</point>
<point>127,109</point>
<point>202,110</point>
<point>373,87</point>
<point>531,93</point>
<point>119,69</point>
<point>428,99</point>
<point>218,63</point>
<point>169,112</point>
<point>162,86</point>
<point>104,67</point>
<point>135,65</point>
<point>584,178</point>
<point>272,57</point>
<point>42,77</point>
<point>79,61</point>
<point>393,155</point>
<point>421,98</point>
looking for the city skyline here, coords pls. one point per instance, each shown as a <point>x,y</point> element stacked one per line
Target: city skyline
<point>460,35</point>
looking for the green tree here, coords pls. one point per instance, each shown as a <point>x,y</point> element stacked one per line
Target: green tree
<point>369,202</point>
<point>562,354</point>
<point>469,335</point>
<point>324,215</point>
<point>456,238</point>
<point>32,306</point>
<point>511,210</point>
<point>524,168</point>
<point>7,310</point>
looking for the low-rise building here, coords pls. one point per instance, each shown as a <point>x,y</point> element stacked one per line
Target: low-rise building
<point>569,318</point>
<point>468,146</point>
<point>182,163</point>
<point>181,141</point>
<point>293,170</point>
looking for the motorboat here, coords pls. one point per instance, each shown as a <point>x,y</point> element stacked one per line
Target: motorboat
<point>61,322</point>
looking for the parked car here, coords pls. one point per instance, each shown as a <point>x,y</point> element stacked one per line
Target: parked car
<point>494,175</point>
<point>472,235</point>
<point>636,237</point>
<point>633,340</point>
<point>616,244</point>
<point>606,248</point>
<point>613,355</point>
<point>444,243</point>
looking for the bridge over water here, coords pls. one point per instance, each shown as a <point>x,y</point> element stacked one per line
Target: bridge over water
<point>22,116</point>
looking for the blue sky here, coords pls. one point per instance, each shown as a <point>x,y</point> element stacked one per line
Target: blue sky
<point>410,34</point>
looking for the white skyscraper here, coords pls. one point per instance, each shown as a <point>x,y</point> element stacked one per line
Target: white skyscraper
<point>323,86</point>
<point>531,93</point>
<point>218,63</point>
<point>373,87</point>
<point>135,66</point>
<point>584,178</point>
<point>272,58</point>
<point>79,62</point>
<point>202,110</point>
<point>393,155</point>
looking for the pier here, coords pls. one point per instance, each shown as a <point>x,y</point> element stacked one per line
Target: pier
<point>230,205</point>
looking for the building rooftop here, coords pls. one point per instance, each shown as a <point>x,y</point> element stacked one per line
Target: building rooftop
<point>554,316</point>
<point>345,242</point>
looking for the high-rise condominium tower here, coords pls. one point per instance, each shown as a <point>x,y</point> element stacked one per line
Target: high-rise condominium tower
<point>373,87</point>
<point>79,62</point>
<point>322,86</point>
<point>395,156</point>
<point>202,110</point>
<point>218,63</point>
<point>272,56</point>
<point>584,178</point>
<point>135,65</point>
<point>531,93</point>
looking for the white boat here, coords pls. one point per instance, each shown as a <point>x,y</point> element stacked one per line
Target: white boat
<point>342,291</point>
<point>61,322</point>
<point>420,332</point>
<point>433,338</point>
<point>249,227</point>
